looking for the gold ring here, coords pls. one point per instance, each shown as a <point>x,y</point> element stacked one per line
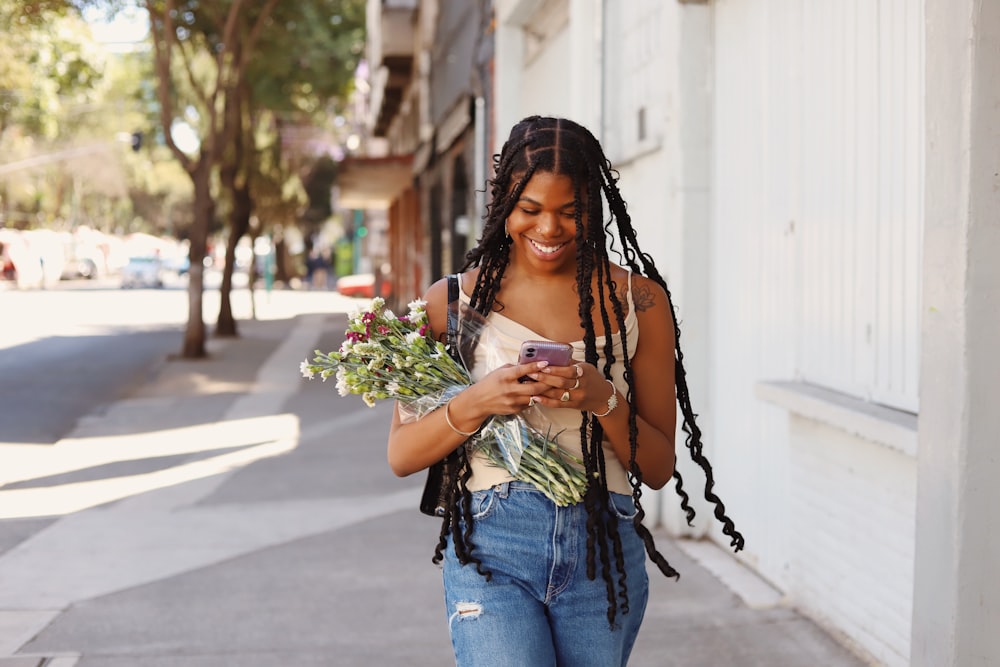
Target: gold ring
<point>579,370</point>
<point>531,402</point>
<point>576,385</point>
<point>565,396</point>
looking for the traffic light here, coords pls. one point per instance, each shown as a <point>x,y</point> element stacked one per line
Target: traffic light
<point>136,141</point>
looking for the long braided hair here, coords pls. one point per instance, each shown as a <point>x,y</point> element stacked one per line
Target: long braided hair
<point>561,146</point>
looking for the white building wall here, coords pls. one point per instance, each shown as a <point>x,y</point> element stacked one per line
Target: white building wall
<point>548,61</point>
<point>545,88</point>
<point>957,590</point>
<point>817,217</point>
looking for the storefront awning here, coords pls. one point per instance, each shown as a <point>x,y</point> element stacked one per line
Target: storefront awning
<point>373,182</point>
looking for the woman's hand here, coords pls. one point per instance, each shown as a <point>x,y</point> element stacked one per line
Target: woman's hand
<point>501,392</point>
<point>579,387</point>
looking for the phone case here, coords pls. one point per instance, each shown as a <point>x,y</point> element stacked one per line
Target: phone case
<point>557,354</point>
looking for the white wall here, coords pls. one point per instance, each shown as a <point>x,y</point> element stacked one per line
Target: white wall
<point>545,86</point>
<point>957,589</point>
<point>548,61</point>
<point>815,253</point>
<point>851,523</point>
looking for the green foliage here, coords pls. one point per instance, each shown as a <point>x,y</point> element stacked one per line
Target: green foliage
<point>49,69</point>
<point>67,109</point>
<point>309,56</point>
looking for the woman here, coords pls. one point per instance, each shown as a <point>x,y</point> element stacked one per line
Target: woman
<point>527,582</point>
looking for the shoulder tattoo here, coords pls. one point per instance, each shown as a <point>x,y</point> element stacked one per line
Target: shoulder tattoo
<point>643,297</point>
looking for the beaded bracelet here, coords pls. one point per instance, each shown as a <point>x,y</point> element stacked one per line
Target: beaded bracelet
<point>447,418</point>
<point>612,401</point>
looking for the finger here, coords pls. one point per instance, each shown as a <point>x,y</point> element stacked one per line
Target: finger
<point>550,380</point>
<point>530,370</point>
<point>573,371</point>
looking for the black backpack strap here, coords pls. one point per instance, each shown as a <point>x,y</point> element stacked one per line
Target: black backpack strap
<point>440,476</point>
<point>450,337</point>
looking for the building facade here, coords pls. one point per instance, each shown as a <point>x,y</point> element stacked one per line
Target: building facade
<point>431,91</point>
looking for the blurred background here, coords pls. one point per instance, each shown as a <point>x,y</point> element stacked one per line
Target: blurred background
<point>816,180</point>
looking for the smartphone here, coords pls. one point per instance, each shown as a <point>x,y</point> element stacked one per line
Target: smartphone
<point>557,354</point>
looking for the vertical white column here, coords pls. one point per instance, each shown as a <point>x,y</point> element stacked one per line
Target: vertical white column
<point>585,63</point>
<point>685,263</point>
<point>508,65</point>
<point>956,613</point>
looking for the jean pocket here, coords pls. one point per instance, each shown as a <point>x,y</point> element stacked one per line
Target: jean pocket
<point>623,506</point>
<point>483,503</point>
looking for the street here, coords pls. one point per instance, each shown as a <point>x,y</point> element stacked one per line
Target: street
<point>67,351</point>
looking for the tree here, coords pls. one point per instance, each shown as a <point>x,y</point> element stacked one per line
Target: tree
<point>63,100</point>
<point>303,83</point>
<point>208,75</point>
<point>228,31</point>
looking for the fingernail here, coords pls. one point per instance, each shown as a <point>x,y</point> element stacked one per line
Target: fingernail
<point>533,376</point>
<point>542,364</point>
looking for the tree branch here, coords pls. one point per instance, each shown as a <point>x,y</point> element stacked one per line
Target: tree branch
<point>265,13</point>
<point>187,57</point>
<point>162,47</point>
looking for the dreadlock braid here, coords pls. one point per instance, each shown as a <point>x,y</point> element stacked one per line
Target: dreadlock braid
<point>561,146</point>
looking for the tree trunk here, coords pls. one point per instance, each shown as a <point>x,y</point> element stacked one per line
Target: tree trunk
<point>235,180</point>
<point>204,210</point>
<point>239,223</point>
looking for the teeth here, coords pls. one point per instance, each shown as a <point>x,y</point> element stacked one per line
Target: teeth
<point>547,249</point>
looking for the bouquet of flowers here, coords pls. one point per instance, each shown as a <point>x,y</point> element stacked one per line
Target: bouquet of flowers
<point>389,357</point>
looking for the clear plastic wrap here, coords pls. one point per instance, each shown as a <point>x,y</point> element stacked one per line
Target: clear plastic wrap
<point>388,357</point>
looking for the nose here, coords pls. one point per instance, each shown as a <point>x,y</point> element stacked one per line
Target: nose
<point>548,224</point>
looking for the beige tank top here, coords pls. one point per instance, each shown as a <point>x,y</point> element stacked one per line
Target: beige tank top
<point>500,345</point>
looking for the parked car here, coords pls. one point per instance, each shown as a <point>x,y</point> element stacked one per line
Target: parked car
<point>142,272</point>
<point>362,285</point>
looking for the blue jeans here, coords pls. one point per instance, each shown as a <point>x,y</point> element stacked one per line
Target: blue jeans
<point>539,609</point>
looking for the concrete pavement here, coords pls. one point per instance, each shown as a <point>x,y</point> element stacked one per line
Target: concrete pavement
<point>231,513</point>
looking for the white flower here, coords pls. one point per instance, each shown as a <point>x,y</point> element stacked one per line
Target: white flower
<point>392,387</point>
<point>342,387</point>
<point>389,315</point>
<point>304,369</point>
<point>413,337</point>
<point>418,312</point>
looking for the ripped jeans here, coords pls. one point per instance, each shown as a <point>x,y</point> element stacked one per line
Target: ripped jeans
<point>539,609</point>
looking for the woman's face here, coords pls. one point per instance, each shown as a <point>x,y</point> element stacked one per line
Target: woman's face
<point>542,225</point>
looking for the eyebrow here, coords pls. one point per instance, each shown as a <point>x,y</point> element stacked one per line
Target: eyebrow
<point>571,204</point>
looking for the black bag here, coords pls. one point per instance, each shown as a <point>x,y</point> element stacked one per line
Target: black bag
<point>437,488</point>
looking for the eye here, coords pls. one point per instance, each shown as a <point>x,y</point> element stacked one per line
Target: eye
<point>529,211</point>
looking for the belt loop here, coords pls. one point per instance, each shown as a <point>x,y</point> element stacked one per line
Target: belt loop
<point>502,490</point>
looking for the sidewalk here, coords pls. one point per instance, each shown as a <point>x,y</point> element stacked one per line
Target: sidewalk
<point>232,513</point>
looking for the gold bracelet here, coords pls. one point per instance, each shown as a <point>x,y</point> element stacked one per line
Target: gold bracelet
<point>447,418</point>
<point>612,401</point>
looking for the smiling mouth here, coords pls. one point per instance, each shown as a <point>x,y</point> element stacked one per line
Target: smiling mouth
<point>547,249</point>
